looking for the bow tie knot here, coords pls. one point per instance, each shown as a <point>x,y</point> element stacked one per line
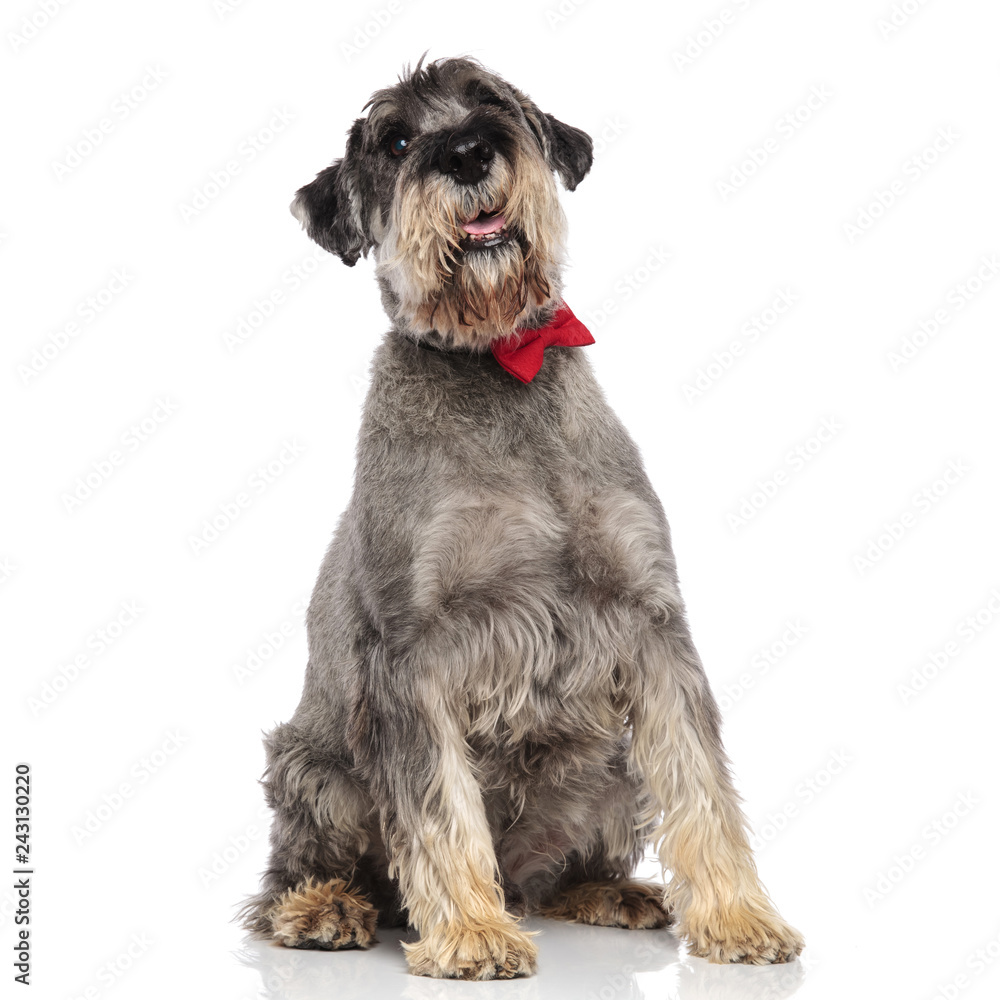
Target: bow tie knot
<point>522,353</point>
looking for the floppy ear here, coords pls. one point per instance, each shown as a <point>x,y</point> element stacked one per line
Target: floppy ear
<point>570,152</point>
<point>328,209</point>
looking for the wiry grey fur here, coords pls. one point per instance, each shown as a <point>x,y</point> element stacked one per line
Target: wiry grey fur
<point>498,612</point>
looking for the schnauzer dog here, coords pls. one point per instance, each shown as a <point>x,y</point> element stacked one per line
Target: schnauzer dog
<point>503,705</point>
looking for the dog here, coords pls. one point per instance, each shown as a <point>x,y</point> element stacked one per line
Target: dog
<point>503,705</point>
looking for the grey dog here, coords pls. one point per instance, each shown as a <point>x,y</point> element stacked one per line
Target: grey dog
<point>503,705</point>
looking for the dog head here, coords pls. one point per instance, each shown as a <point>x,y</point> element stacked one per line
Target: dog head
<point>449,181</point>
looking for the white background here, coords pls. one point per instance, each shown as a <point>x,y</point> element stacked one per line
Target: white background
<point>845,772</point>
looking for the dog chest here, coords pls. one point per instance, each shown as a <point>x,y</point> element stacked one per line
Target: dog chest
<point>515,523</point>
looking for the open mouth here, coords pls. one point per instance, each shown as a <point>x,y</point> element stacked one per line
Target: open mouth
<point>487,229</point>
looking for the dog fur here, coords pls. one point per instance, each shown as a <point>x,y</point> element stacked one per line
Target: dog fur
<point>503,706</point>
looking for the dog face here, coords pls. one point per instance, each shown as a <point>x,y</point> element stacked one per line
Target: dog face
<point>449,180</point>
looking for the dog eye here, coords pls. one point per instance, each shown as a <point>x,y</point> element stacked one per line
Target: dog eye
<point>398,145</point>
<point>492,99</point>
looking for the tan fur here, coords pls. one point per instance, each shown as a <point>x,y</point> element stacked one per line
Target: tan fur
<point>327,916</point>
<point>749,932</point>
<point>448,879</point>
<point>513,640</point>
<point>626,903</point>
<point>701,837</point>
<point>474,949</point>
<point>472,299</point>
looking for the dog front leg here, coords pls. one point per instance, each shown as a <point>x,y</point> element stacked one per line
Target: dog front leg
<point>723,910</point>
<point>441,851</point>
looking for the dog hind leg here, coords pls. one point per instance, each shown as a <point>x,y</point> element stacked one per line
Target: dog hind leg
<point>626,903</point>
<point>596,886</point>
<point>316,892</point>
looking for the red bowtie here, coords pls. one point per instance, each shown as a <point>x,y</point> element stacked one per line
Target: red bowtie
<point>523,352</point>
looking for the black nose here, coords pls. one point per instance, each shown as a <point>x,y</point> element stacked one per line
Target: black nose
<point>466,157</point>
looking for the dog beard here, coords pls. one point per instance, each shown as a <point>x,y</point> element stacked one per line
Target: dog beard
<point>443,283</point>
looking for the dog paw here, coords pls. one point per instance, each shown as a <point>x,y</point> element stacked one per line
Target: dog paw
<point>486,951</point>
<point>326,916</point>
<point>750,935</point>
<point>627,903</point>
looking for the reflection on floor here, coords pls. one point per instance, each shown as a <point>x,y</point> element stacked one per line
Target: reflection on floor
<point>578,962</point>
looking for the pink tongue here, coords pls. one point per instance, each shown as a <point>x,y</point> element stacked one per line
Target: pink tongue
<point>482,227</point>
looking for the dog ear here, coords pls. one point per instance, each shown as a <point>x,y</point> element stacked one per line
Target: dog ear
<point>568,151</point>
<point>329,212</point>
